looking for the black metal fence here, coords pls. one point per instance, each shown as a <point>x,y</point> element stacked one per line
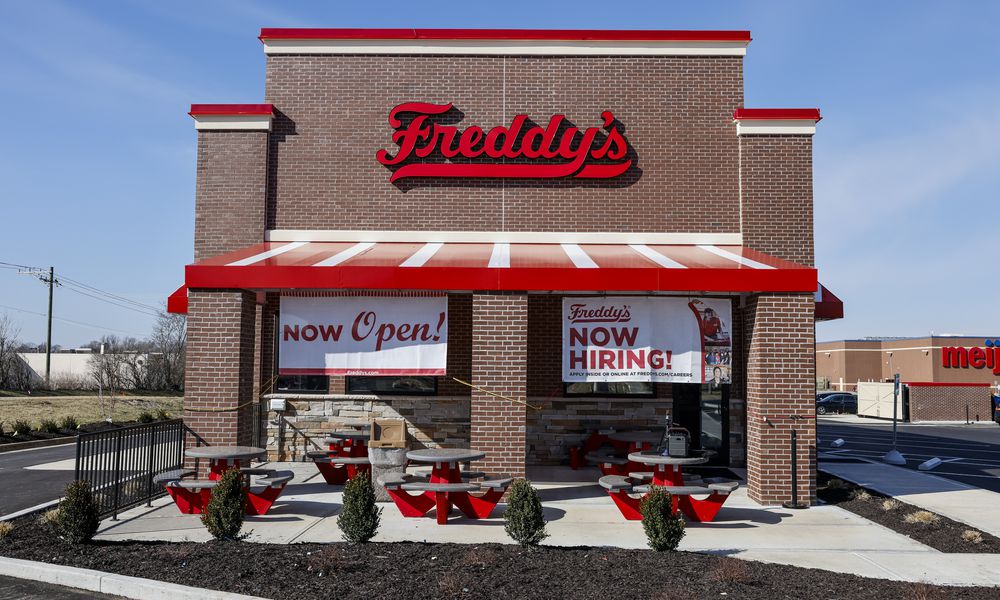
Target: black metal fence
<point>120,463</point>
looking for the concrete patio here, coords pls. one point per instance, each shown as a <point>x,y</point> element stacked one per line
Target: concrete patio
<point>579,513</point>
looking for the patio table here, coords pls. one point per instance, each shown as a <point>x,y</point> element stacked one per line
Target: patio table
<point>635,440</point>
<point>347,442</point>
<point>667,469</point>
<point>222,458</point>
<point>192,496</point>
<point>445,461</point>
<point>445,488</point>
<point>667,473</point>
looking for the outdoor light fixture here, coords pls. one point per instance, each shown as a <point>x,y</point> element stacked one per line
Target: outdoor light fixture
<point>278,405</point>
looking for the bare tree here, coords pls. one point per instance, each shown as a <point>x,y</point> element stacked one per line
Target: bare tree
<point>14,374</point>
<point>108,370</point>
<point>167,346</point>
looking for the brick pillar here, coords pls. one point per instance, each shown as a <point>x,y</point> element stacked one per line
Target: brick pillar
<point>776,195</point>
<point>779,334</point>
<point>220,365</point>
<point>230,193</point>
<point>499,364</point>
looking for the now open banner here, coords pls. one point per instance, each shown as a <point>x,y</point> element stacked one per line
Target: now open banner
<point>647,338</point>
<point>363,335</point>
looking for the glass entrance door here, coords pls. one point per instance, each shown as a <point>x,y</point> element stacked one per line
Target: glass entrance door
<point>704,411</point>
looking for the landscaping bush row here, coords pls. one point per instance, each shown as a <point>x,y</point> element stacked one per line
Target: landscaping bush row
<point>68,425</point>
<point>924,526</point>
<point>76,518</point>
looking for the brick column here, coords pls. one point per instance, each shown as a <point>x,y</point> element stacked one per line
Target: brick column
<point>780,382</point>
<point>220,365</point>
<point>499,364</point>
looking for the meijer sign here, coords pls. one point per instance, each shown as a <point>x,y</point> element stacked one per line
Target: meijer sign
<point>363,336</point>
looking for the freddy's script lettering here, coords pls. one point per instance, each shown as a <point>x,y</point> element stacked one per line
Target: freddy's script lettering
<point>549,152</point>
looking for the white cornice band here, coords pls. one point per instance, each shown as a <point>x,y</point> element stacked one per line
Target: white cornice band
<point>514,237</point>
<point>775,127</point>
<point>507,47</point>
<point>233,122</point>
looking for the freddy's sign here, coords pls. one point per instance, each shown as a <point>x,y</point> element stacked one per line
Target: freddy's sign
<point>550,152</point>
<point>363,336</point>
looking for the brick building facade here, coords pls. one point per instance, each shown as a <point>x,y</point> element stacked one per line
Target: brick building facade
<point>707,178</point>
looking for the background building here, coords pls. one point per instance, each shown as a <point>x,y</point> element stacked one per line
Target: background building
<point>945,375</point>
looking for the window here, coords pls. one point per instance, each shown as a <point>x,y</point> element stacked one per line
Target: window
<point>414,386</point>
<point>303,384</point>
<point>643,389</point>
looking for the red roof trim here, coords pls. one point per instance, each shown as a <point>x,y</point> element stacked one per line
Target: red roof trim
<point>610,35</point>
<point>231,109</point>
<point>784,114</point>
<point>943,384</point>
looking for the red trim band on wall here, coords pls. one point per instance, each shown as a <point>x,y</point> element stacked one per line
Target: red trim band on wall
<point>943,384</point>
<point>777,114</point>
<point>231,109</point>
<point>609,35</point>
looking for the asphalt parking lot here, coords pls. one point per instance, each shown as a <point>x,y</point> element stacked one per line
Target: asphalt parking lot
<point>970,453</point>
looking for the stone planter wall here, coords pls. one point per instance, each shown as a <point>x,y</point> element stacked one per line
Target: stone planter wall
<point>432,421</point>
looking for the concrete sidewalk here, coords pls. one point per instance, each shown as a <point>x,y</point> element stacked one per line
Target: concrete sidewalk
<point>973,506</point>
<point>579,513</point>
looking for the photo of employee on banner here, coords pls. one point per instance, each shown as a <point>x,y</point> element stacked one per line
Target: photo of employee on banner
<point>642,338</point>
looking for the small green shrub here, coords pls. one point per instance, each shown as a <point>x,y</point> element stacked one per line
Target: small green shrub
<point>223,517</point>
<point>664,529</point>
<point>5,530</point>
<point>523,519</point>
<point>77,519</point>
<point>360,517</point>
<point>146,417</point>
<point>162,415</point>
<point>69,423</point>
<point>20,427</point>
<point>48,426</point>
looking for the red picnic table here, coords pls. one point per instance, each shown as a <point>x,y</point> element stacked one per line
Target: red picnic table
<point>623,443</point>
<point>345,457</point>
<point>667,473</point>
<point>192,495</point>
<point>446,486</point>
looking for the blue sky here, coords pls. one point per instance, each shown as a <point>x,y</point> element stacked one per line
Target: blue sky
<point>97,160</point>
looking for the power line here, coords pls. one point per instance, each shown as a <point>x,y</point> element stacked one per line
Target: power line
<point>79,323</point>
<point>109,294</point>
<point>145,311</point>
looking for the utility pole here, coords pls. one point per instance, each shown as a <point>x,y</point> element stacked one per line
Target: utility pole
<point>48,339</point>
<point>51,281</point>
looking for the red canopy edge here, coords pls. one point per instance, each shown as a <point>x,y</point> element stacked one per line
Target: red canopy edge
<point>177,303</point>
<point>828,306</point>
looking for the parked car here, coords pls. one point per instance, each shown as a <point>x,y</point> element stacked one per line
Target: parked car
<point>840,402</point>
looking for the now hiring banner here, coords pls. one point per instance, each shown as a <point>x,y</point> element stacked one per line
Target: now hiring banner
<point>647,338</point>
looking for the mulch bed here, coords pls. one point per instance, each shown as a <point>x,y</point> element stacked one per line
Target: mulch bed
<point>944,535</point>
<point>494,571</point>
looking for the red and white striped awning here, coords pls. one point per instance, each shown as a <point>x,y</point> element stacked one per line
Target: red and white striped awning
<point>501,266</point>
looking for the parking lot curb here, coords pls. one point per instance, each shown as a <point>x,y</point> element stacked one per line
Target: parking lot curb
<point>15,446</point>
<point>110,583</point>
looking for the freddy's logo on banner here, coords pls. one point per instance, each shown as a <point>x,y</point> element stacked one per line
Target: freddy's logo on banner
<point>549,152</point>
<point>363,336</point>
<point>678,340</point>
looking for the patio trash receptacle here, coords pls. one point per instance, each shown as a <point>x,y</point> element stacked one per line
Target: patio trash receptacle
<point>386,452</point>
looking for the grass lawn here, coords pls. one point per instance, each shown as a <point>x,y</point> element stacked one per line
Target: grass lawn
<point>86,409</point>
